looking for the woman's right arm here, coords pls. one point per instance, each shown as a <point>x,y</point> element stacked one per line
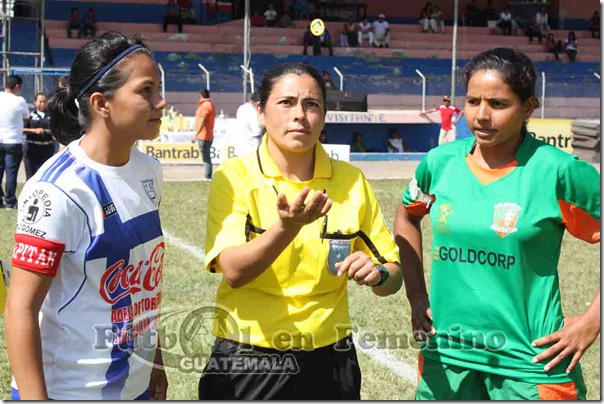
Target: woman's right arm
<point>408,237</point>
<point>242,264</point>
<point>26,294</point>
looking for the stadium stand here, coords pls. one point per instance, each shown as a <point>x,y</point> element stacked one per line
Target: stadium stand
<point>393,84</point>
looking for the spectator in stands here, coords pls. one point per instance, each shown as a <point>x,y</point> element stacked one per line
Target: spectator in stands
<point>323,137</point>
<point>394,143</point>
<point>74,23</point>
<point>530,29</point>
<point>13,111</point>
<point>186,12</point>
<point>570,46</point>
<point>285,21</point>
<point>437,17</point>
<point>204,130</point>
<point>351,29</point>
<point>505,21</point>
<point>448,133</point>
<point>542,24</point>
<point>309,40</point>
<point>172,16</point>
<point>471,14</point>
<point>381,31</point>
<point>270,16</point>
<point>365,32</point>
<point>323,41</point>
<point>90,24</point>
<point>357,145</point>
<point>426,20</point>
<point>554,47</point>
<point>594,25</point>
<point>329,84</point>
<point>256,19</point>
<point>38,146</point>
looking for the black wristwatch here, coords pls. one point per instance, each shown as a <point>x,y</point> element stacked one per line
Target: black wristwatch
<point>384,275</point>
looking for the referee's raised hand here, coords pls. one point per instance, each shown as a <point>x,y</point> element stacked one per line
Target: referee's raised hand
<point>300,213</point>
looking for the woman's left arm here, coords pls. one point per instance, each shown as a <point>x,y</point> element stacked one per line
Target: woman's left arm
<point>575,337</point>
<point>578,194</point>
<point>359,267</point>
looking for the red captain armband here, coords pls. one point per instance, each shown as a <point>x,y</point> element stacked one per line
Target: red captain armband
<point>37,254</point>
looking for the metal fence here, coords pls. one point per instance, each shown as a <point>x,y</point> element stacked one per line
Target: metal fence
<point>36,80</point>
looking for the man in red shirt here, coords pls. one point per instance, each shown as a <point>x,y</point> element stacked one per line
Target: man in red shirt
<point>447,129</point>
<point>204,130</point>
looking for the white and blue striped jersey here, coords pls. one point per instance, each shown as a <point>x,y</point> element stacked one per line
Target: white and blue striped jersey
<point>96,229</point>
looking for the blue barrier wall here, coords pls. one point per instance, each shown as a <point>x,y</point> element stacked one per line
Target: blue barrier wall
<point>388,76</point>
<point>417,137</point>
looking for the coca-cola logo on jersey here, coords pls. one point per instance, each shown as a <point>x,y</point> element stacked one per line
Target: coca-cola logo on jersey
<point>121,280</point>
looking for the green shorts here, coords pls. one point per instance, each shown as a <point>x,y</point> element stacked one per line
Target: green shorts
<point>438,381</point>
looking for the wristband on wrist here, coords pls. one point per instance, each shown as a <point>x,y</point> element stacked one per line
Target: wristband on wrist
<point>384,275</point>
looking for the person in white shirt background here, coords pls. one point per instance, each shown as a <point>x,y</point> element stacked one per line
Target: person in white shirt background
<point>365,32</point>
<point>505,21</point>
<point>542,24</point>
<point>381,31</point>
<point>13,113</point>
<point>249,126</point>
<point>270,16</point>
<point>394,142</point>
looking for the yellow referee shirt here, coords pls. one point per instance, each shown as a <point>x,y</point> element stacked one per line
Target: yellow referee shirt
<point>296,303</point>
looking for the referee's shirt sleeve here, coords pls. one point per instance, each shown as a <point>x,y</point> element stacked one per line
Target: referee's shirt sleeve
<point>383,247</point>
<point>226,215</point>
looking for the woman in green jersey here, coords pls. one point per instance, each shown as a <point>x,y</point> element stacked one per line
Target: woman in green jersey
<point>499,202</point>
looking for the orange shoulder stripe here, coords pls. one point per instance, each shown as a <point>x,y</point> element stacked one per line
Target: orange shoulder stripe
<point>579,223</point>
<point>417,208</point>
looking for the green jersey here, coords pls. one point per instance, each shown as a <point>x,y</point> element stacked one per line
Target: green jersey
<point>496,246</point>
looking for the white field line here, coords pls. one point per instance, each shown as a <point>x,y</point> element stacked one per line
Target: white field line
<point>183,245</point>
<point>381,356</point>
<point>385,358</point>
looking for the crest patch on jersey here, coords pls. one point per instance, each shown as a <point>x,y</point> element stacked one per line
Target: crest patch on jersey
<point>149,187</point>
<point>505,218</point>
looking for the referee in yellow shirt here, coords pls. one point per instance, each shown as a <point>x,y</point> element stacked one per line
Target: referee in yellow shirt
<point>287,228</point>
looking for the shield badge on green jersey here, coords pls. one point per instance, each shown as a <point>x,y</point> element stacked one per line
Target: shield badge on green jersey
<point>505,218</point>
<point>444,211</point>
<point>338,250</point>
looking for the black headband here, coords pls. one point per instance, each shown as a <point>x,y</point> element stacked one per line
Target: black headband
<point>106,68</point>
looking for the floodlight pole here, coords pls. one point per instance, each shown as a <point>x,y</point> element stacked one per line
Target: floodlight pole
<point>454,53</point>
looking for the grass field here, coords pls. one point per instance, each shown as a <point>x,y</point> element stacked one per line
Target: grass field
<point>187,285</point>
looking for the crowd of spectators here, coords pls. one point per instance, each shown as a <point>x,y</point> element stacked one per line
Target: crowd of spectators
<point>361,32</point>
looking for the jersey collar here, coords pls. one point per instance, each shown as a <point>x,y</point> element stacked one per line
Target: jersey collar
<point>522,154</point>
<point>269,168</point>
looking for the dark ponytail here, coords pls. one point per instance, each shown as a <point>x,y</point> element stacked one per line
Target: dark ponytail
<point>70,118</point>
<point>64,124</point>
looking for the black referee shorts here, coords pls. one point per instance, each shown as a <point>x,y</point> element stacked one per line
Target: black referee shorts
<point>238,371</point>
